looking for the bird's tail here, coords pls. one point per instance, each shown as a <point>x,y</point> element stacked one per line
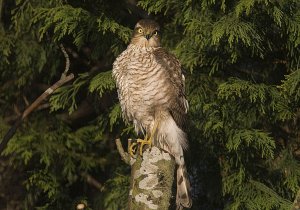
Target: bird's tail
<point>172,139</point>
<point>183,195</point>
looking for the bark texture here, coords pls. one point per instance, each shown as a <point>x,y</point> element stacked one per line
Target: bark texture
<point>152,177</point>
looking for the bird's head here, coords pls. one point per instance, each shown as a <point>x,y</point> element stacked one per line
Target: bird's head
<point>146,34</point>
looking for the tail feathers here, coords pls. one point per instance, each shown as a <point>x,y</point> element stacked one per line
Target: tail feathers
<point>170,137</point>
<point>183,196</point>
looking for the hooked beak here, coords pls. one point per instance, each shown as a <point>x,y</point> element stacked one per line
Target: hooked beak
<point>147,36</point>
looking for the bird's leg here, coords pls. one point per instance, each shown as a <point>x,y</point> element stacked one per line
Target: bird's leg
<point>147,140</point>
<point>132,149</point>
<point>143,142</point>
<point>134,146</point>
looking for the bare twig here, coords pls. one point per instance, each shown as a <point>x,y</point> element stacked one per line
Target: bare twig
<point>16,110</point>
<point>32,107</point>
<point>26,100</point>
<point>92,181</point>
<point>11,119</point>
<point>48,92</point>
<point>124,155</point>
<point>43,106</point>
<point>64,79</point>
<point>64,74</point>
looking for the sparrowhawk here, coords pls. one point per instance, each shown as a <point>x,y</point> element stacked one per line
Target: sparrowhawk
<point>152,96</point>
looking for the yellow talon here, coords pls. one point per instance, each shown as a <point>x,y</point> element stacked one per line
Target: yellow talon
<point>133,146</point>
<point>132,149</point>
<point>144,142</point>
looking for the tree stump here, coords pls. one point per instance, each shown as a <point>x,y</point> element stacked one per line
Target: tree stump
<point>152,177</point>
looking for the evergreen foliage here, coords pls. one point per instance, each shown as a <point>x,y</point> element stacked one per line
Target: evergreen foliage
<point>242,67</point>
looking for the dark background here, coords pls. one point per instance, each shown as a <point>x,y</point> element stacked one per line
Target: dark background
<point>241,61</point>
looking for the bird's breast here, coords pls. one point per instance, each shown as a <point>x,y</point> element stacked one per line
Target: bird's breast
<point>143,85</point>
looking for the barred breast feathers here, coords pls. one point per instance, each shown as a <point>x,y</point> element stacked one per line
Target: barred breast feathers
<point>151,72</point>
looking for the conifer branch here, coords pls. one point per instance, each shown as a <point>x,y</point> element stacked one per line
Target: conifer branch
<point>64,79</point>
<point>296,204</point>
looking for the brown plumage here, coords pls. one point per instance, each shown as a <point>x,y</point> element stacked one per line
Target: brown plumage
<point>151,93</point>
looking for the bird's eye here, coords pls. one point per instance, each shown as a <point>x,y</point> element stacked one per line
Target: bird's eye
<point>140,30</point>
<point>155,33</point>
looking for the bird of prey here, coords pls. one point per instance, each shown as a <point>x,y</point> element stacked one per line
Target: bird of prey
<point>151,92</point>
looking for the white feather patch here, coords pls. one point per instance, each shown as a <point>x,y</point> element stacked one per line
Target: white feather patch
<point>171,138</point>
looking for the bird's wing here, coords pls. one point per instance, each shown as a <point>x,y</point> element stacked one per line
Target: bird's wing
<point>178,106</point>
<point>119,74</point>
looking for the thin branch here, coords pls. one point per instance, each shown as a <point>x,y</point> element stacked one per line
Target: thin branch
<point>16,110</point>
<point>48,92</point>
<point>64,79</point>
<point>43,106</point>
<point>11,119</point>
<point>124,155</point>
<point>92,181</point>
<point>26,100</point>
<point>64,74</point>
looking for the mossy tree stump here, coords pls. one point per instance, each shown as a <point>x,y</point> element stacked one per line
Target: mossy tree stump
<point>152,177</point>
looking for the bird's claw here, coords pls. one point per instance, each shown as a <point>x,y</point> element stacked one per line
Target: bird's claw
<point>139,144</point>
<point>132,149</point>
<point>144,142</point>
